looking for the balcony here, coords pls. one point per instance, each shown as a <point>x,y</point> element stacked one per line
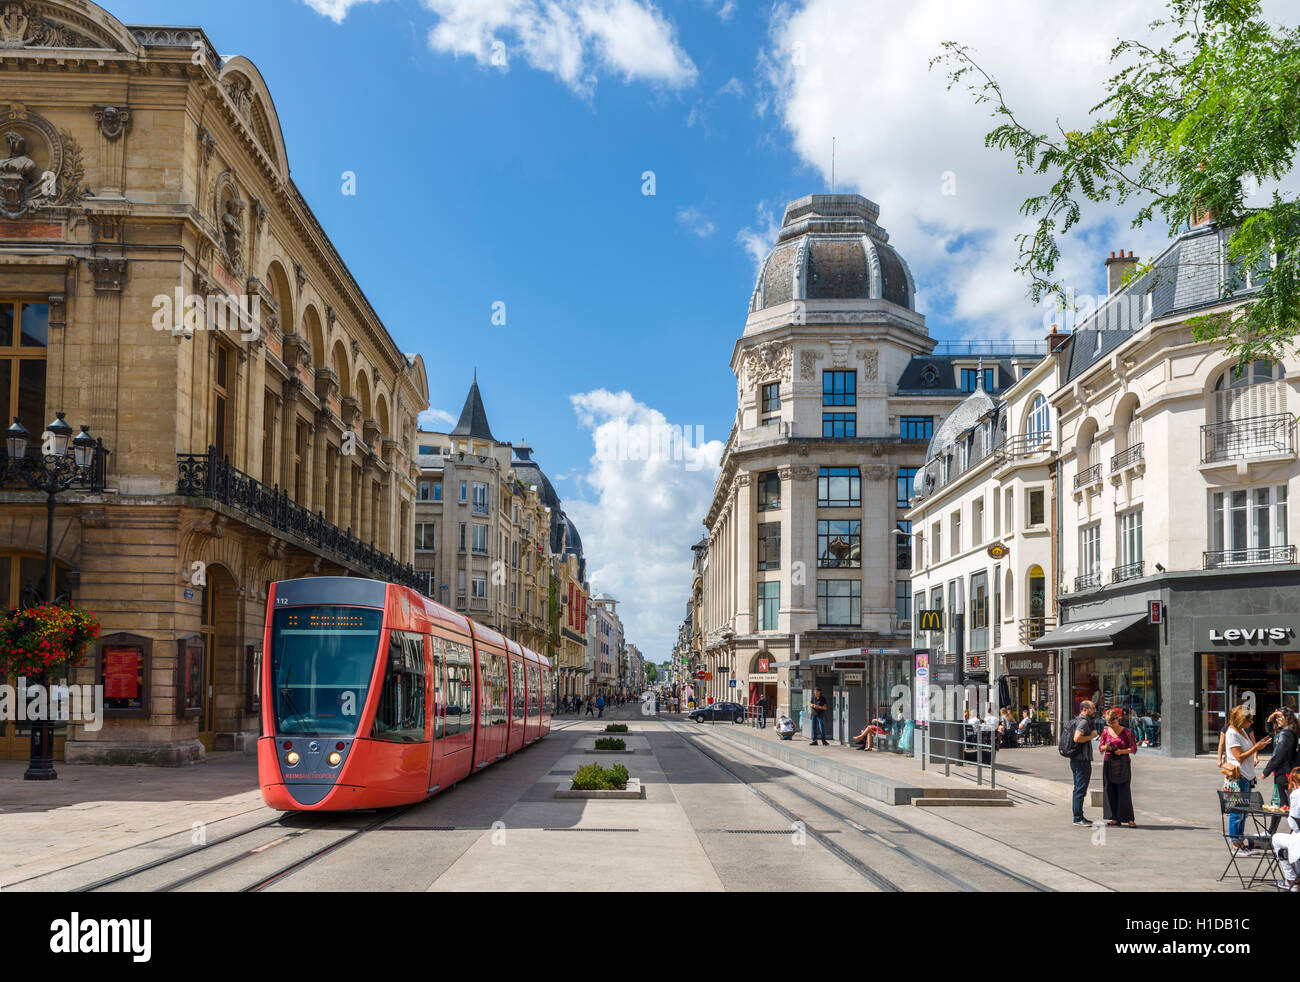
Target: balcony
<point>1222,558</point>
<point>1089,581</point>
<point>1033,628</point>
<point>208,476</point>
<point>1250,438</point>
<point>1024,445</point>
<point>1087,479</point>
<point>1129,571</point>
<point>1131,457</point>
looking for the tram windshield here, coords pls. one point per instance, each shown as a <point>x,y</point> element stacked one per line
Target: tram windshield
<point>322,660</point>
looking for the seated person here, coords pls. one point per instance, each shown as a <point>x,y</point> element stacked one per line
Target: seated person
<point>1023,726</point>
<point>876,725</point>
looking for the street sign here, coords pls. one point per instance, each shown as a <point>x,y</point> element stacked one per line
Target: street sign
<point>997,550</point>
<point>931,620</point>
<point>731,683</point>
<point>701,675</point>
<point>1155,612</point>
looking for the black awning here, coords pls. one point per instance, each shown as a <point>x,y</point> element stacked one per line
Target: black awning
<point>1093,632</point>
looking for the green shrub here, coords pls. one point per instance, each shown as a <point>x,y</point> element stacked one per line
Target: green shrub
<point>593,777</point>
<point>616,728</point>
<point>610,743</point>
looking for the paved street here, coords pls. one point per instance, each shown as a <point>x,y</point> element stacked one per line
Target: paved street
<point>720,813</point>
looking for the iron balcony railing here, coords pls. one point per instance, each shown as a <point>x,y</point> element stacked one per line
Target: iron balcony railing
<point>1024,445</point>
<point>1089,581</point>
<point>1126,457</point>
<point>93,481</point>
<point>1241,439</point>
<point>209,476</point>
<point>1129,571</point>
<point>1219,558</point>
<point>1033,628</point>
<point>1089,477</point>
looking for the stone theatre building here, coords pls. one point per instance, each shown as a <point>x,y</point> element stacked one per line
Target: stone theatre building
<point>146,177</point>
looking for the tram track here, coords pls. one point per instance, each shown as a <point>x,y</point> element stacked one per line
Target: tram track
<point>877,835</point>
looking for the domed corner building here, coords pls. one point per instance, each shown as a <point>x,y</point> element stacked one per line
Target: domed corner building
<point>839,390</point>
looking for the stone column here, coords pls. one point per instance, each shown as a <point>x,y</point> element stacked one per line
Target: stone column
<point>878,540</point>
<point>320,447</point>
<point>288,431</point>
<point>344,509</point>
<point>110,277</point>
<point>743,526</point>
<point>114,123</point>
<point>799,501</point>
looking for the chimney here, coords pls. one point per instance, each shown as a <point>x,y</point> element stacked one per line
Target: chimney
<point>1056,339</point>
<point>1116,268</point>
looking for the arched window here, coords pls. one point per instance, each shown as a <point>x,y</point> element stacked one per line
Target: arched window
<point>1256,391</point>
<point>1039,423</point>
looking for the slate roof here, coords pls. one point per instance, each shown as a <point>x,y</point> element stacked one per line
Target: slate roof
<point>473,418</point>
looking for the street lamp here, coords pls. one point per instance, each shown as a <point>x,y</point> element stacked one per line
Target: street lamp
<point>52,470</point>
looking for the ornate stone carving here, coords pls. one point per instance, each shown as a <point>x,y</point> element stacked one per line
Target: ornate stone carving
<point>300,274</point>
<point>840,354</point>
<point>741,481</point>
<point>356,348</point>
<point>804,473</point>
<point>22,27</point>
<point>229,208</point>
<point>43,166</point>
<point>110,274</point>
<point>331,315</point>
<point>58,310</point>
<point>113,121</point>
<point>207,146</point>
<point>808,365</point>
<point>870,363</point>
<point>259,214</point>
<point>769,361</point>
<point>878,472</point>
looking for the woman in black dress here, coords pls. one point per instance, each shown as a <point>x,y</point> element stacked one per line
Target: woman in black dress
<point>1118,745</point>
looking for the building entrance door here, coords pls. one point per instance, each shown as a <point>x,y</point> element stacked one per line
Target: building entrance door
<point>208,629</point>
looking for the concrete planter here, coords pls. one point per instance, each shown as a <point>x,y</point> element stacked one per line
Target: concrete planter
<point>634,791</point>
<point>609,751</point>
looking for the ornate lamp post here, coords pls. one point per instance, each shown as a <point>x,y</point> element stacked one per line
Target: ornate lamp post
<point>52,471</point>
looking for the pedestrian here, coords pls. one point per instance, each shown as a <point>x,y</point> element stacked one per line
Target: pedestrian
<point>1243,749</point>
<point>600,705</point>
<point>1076,743</point>
<point>1286,755</point>
<point>819,717</point>
<point>762,712</point>
<point>1118,745</point>
<point>1290,839</point>
<point>591,710</point>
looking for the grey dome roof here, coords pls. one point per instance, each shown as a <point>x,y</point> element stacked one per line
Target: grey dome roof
<point>964,416</point>
<point>830,248</point>
<point>527,470</point>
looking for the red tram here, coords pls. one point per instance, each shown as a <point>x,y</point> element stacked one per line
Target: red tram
<point>373,696</point>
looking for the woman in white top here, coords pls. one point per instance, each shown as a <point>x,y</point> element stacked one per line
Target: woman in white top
<point>1245,752</point>
<point>1290,840</point>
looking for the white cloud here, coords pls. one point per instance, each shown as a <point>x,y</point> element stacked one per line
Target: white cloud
<point>733,87</point>
<point>574,40</point>
<point>695,222</point>
<point>758,241</point>
<point>435,419</point>
<point>727,9</point>
<point>900,132</point>
<point>647,512</point>
<point>335,10</point>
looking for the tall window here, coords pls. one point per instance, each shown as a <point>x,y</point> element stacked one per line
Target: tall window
<point>1090,552</point>
<point>769,545</point>
<point>769,491</point>
<point>839,603</point>
<point>903,546</point>
<point>839,487</point>
<point>1245,524</point>
<point>839,388</point>
<point>771,394</point>
<point>839,544</point>
<point>24,331</point>
<point>480,587</point>
<point>936,542</point>
<point>977,522</point>
<point>769,603</point>
<point>464,492</point>
<point>1130,537</point>
<point>903,599</point>
<point>480,539</point>
<point>462,537</point>
<point>836,425</point>
<point>954,546</point>
<point>480,498</point>
<point>426,536</point>
<point>916,427</point>
<point>268,436</point>
<point>979,611</point>
<point>1009,497</point>
<point>426,490</point>
<point>903,488</point>
<point>299,461</point>
<point>1039,424</point>
<point>1034,507</point>
<point>437,490</point>
<point>221,404</point>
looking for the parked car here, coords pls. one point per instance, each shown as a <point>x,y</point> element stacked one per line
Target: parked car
<point>732,711</point>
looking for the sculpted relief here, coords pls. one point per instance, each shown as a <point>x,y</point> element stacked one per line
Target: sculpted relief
<point>769,362</point>
<point>41,166</point>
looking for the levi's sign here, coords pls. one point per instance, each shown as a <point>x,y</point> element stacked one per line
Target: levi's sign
<point>1249,633</point>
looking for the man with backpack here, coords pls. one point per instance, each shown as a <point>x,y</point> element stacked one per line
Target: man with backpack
<point>1076,744</point>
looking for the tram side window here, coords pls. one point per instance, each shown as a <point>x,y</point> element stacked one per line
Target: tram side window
<point>460,688</point>
<point>498,690</point>
<point>517,673</point>
<point>439,689</point>
<point>399,716</point>
<point>547,708</point>
<point>534,708</point>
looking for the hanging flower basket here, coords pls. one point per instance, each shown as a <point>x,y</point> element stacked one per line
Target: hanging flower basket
<point>44,638</point>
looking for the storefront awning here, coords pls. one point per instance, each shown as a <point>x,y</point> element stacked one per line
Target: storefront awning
<point>826,659</point>
<point>1095,632</point>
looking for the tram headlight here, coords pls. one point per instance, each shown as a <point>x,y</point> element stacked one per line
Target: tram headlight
<point>292,758</point>
<point>335,759</point>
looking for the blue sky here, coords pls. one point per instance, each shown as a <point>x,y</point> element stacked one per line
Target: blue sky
<point>523,185</point>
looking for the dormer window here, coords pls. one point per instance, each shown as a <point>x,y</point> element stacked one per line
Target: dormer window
<point>930,376</point>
